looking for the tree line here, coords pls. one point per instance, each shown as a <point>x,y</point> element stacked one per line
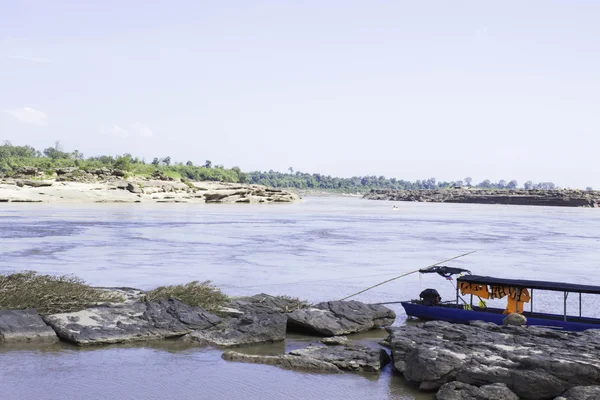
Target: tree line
<point>14,157</point>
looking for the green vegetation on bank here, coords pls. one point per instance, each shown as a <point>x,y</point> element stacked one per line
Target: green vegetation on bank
<point>12,158</point>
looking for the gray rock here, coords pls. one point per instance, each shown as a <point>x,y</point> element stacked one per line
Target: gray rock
<point>134,188</point>
<point>336,318</point>
<point>130,322</point>
<point>463,391</point>
<point>247,329</point>
<point>335,340</point>
<point>353,357</point>
<point>515,319</point>
<point>284,361</point>
<point>24,326</point>
<point>262,303</point>
<point>581,393</point>
<point>34,183</point>
<point>534,363</point>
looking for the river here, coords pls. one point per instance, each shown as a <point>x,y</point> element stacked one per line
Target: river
<point>323,248</point>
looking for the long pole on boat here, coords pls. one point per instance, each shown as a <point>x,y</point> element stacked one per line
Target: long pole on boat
<point>408,273</point>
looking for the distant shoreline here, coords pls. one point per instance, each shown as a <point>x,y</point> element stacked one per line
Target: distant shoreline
<point>558,198</point>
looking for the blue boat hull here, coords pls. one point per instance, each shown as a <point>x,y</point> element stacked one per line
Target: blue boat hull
<point>456,314</point>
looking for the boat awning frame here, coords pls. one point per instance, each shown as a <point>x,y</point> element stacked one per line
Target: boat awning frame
<point>528,284</point>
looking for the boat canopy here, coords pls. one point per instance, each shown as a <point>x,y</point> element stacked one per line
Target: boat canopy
<point>528,284</point>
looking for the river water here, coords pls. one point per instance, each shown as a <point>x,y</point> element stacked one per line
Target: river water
<point>318,249</point>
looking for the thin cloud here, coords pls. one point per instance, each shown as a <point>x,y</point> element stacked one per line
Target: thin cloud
<point>29,115</point>
<point>136,129</point>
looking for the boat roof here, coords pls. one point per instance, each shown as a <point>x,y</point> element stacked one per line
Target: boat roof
<point>528,284</point>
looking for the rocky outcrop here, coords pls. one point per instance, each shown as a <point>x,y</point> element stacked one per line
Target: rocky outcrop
<point>18,326</point>
<point>246,329</point>
<point>533,362</point>
<point>464,391</point>
<point>283,361</point>
<point>336,318</point>
<point>350,357</point>
<point>34,183</point>
<point>335,340</point>
<point>559,197</point>
<point>263,303</point>
<point>581,393</point>
<point>130,322</point>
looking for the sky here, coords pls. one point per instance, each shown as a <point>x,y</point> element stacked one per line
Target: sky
<point>405,89</point>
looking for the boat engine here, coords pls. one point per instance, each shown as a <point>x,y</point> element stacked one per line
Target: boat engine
<point>430,297</point>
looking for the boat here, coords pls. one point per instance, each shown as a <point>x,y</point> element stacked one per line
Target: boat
<point>517,292</point>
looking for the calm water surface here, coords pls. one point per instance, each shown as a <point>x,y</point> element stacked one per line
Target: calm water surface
<point>319,249</point>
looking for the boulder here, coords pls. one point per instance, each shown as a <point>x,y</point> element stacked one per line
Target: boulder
<point>24,326</point>
<point>533,362</point>
<point>515,319</point>
<point>134,188</point>
<point>34,183</point>
<point>336,318</point>
<point>352,357</point>
<point>28,170</point>
<point>118,172</point>
<point>130,322</point>
<point>66,170</point>
<point>463,391</point>
<point>581,393</point>
<point>283,361</point>
<point>247,329</point>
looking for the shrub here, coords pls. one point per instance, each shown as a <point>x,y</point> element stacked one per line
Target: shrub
<point>197,294</point>
<point>295,303</point>
<point>50,294</point>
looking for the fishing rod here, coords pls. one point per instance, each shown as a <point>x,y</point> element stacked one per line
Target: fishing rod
<point>408,273</point>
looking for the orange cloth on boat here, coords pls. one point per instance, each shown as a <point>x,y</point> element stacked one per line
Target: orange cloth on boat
<point>475,289</point>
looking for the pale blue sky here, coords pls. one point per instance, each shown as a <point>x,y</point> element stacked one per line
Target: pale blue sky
<point>405,89</point>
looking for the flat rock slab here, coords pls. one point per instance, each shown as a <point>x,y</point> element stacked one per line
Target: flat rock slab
<point>581,393</point>
<point>285,361</point>
<point>464,391</point>
<point>335,318</point>
<point>352,357</point>
<point>533,362</point>
<point>247,329</point>
<point>130,322</point>
<point>262,303</point>
<point>18,326</point>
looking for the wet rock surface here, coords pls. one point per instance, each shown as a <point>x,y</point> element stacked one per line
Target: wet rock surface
<point>581,393</point>
<point>130,322</point>
<point>533,362</point>
<point>246,329</point>
<point>351,357</point>
<point>560,197</point>
<point>285,361</point>
<point>335,318</point>
<point>22,326</point>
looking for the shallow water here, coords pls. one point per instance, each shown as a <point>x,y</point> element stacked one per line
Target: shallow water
<point>319,249</point>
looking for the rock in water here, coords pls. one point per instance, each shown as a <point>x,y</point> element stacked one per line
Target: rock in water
<point>284,361</point>
<point>262,303</point>
<point>352,357</point>
<point>336,318</point>
<point>247,329</point>
<point>581,393</point>
<point>24,326</point>
<point>335,340</point>
<point>463,391</point>
<point>130,322</point>
<point>515,319</point>
<point>533,362</point>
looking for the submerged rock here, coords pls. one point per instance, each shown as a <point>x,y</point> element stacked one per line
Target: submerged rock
<point>533,362</point>
<point>285,361</point>
<point>130,322</point>
<point>247,329</point>
<point>336,318</point>
<point>335,340</point>
<point>352,357</point>
<point>17,326</point>
<point>464,391</point>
